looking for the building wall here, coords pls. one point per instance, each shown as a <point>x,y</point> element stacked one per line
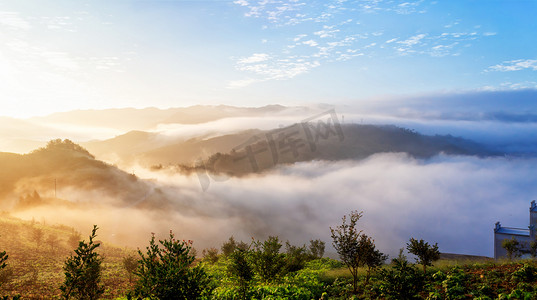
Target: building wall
<point>500,252</point>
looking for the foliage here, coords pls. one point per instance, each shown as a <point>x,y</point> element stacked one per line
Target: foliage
<point>533,248</point>
<point>165,271</point>
<point>526,273</point>
<point>83,272</point>
<point>268,262</point>
<point>512,246</point>
<point>346,241</point>
<point>316,249</point>
<point>210,255</point>
<point>402,281</point>
<point>426,254</point>
<point>231,245</point>
<point>52,241</point>
<point>130,263</point>
<point>242,270</point>
<point>37,235</point>
<point>3,263</point>
<point>74,238</point>
<point>372,257</point>
<point>295,257</point>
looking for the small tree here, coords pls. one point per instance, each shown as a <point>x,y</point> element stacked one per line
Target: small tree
<point>268,262</point>
<point>229,246</point>
<point>210,255</point>
<point>37,235</point>
<point>426,254</point>
<point>83,271</point>
<point>3,264</point>
<point>241,269</point>
<point>130,263</point>
<point>3,259</point>
<point>533,248</point>
<point>402,281</point>
<point>73,239</point>
<point>346,242</point>
<point>316,249</point>
<point>295,257</point>
<point>372,257</point>
<point>52,241</point>
<point>512,246</point>
<point>165,272</point>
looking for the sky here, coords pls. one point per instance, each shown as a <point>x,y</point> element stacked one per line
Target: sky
<point>66,55</point>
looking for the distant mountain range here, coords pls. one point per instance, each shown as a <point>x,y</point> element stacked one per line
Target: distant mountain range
<point>229,153</point>
<point>30,179</point>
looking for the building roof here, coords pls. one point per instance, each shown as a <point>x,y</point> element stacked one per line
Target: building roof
<point>513,231</point>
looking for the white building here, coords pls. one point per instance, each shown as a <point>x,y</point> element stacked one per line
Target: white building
<point>523,235</point>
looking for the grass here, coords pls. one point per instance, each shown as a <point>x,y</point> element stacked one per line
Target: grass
<point>35,269</point>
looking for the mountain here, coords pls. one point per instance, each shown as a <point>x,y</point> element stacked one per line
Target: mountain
<point>34,178</point>
<point>267,149</point>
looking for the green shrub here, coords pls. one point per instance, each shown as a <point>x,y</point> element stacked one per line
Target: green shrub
<point>83,271</point>
<point>402,281</point>
<point>267,260</point>
<point>165,272</point>
<point>526,273</point>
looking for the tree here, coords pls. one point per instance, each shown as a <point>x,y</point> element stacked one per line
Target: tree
<point>37,235</point>
<point>426,254</point>
<point>210,255</point>
<point>533,248</point>
<point>402,281</point>
<point>52,241</point>
<point>3,264</point>
<point>345,239</point>
<point>316,248</point>
<point>229,246</point>
<point>165,271</point>
<point>295,257</point>
<point>372,257</point>
<point>241,269</point>
<point>512,246</point>
<point>83,271</point>
<point>74,239</point>
<point>130,263</point>
<point>268,262</point>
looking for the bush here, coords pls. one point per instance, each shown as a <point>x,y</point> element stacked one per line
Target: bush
<point>241,269</point>
<point>165,272</point>
<point>267,260</point>
<point>426,254</point>
<point>316,249</point>
<point>210,255</point>
<point>83,272</point>
<point>295,257</point>
<point>526,273</point>
<point>130,264</point>
<point>402,281</point>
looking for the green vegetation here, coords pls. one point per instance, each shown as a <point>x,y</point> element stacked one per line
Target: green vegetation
<point>83,272</point>
<point>426,254</point>
<point>165,272</point>
<point>262,270</point>
<point>512,246</point>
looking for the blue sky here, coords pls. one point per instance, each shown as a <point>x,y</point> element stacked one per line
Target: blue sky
<point>64,55</point>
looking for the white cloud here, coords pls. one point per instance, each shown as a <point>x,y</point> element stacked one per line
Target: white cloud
<point>515,65</point>
<point>241,2</point>
<point>13,20</point>
<point>254,58</point>
<point>311,43</point>
<point>414,40</point>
